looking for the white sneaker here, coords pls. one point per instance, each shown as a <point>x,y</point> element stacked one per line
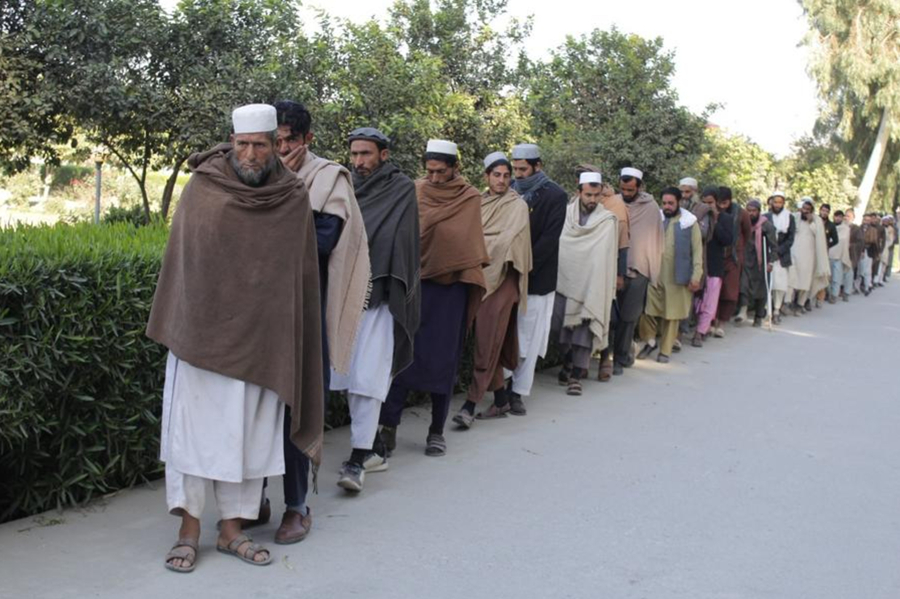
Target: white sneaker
<point>375,463</point>
<point>719,333</point>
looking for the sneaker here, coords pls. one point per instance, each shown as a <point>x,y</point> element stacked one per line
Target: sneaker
<point>375,462</point>
<point>352,477</point>
<point>719,333</point>
<point>662,359</point>
<point>648,349</point>
<point>757,322</point>
<point>516,405</point>
<point>464,419</point>
<point>618,369</point>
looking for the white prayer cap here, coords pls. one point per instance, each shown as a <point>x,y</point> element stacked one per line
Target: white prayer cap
<point>254,118</point>
<point>778,194</point>
<point>689,181</point>
<point>442,146</point>
<point>632,172</point>
<point>526,152</point>
<point>590,178</point>
<point>494,157</point>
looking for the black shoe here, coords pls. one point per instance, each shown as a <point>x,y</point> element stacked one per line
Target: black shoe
<point>353,476</point>
<point>516,405</point>
<point>563,376</point>
<point>646,351</point>
<point>757,322</point>
<point>618,369</point>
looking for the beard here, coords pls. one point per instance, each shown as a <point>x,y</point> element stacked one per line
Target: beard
<point>251,177</point>
<point>804,216</point>
<point>777,210</point>
<point>669,213</point>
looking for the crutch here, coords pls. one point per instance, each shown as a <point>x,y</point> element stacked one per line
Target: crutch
<point>769,304</point>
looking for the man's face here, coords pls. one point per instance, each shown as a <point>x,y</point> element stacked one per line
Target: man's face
<point>365,157</point>
<point>629,188</point>
<point>438,171</point>
<point>838,219</point>
<point>806,211</point>
<point>589,196</point>
<point>669,205</point>
<point>286,142</point>
<point>824,212</point>
<point>849,215</point>
<point>253,157</point>
<point>687,193</point>
<point>754,213</point>
<point>521,169</point>
<point>724,204</point>
<point>709,201</point>
<point>498,179</point>
<point>777,204</point>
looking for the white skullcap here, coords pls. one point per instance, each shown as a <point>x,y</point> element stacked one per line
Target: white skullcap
<point>526,152</point>
<point>441,146</point>
<point>689,181</point>
<point>494,157</point>
<point>632,172</point>
<point>254,118</point>
<point>778,194</point>
<point>590,178</point>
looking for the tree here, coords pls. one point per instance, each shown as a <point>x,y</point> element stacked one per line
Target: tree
<point>819,170</point>
<point>856,63</point>
<point>607,98</point>
<point>737,162</point>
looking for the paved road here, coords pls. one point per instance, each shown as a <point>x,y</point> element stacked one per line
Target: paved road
<point>764,465</point>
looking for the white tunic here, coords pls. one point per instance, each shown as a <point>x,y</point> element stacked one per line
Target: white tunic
<point>219,428</point>
<point>373,356</point>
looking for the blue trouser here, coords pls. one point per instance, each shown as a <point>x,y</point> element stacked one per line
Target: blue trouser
<point>841,276</point>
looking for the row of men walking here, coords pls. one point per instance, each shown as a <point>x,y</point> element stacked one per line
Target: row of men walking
<point>288,275</point>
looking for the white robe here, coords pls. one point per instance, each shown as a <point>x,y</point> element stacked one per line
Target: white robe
<point>373,356</point>
<point>219,428</point>
<point>803,255</point>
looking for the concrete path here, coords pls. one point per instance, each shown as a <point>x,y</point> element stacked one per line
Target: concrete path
<point>764,465</point>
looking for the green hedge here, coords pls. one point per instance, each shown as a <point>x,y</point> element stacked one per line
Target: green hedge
<point>79,381</point>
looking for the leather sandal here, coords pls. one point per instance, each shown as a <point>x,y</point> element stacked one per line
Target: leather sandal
<point>183,549</point>
<point>249,552</point>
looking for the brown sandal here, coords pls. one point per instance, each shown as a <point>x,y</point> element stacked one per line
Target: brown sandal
<point>493,412</point>
<point>574,387</point>
<point>249,553</point>
<point>606,371</point>
<point>183,549</point>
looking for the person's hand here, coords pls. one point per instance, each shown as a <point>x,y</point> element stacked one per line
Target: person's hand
<point>769,267</point>
<point>620,283</point>
<point>694,286</point>
<point>295,158</point>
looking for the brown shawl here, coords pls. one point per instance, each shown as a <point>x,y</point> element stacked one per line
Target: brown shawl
<point>645,227</point>
<point>615,204</point>
<point>331,192</point>
<point>507,235</point>
<point>452,238</point>
<point>238,292</point>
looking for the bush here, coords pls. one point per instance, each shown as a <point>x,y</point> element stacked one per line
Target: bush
<point>80,383</point>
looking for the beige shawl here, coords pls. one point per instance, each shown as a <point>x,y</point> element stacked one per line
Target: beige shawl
<point>646,244</point>
<point>842,250</point>
<point>331,192</point>
<point>587,270</point>
<point>507,235</point>
<point>822,274</point>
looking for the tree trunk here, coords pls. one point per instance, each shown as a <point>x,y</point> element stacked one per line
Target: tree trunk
<point>166,201</point>
<point>868,180</point>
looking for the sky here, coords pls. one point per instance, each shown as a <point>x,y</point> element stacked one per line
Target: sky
<point>745,55</point>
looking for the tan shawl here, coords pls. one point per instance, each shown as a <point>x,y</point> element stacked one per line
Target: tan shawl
<point>822,274</point>
<point>646,244</point>
<point>615,204</point>
<point>331,192</point>
<point>238,292</point>
<point>507,235</point>
<point>587,270</point>
<point>842,250</point>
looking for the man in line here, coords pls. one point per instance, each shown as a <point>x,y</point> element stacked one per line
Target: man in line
<point>759,255</point>
<point>384,341</point>
<point>669,299</point>
<point>734,258</point>
<point>857,246</point>
<point>690,196</point>
<point>644,255</point>
<point>453,254</point>
<point>870,250</point>
<point>615,204</point>
<point>547,203</point>
<point>822,273</point>
<point>831,240</point>
<point>343,280</point>
<point>804,256</point>
<point>785,229</point>
<point>588,253</point>
<point>841,264</point>
<point>719,242</point>
<point>237,351</point>
<point>890,239</point>
<point>692,202</point>
<point>504,217</point>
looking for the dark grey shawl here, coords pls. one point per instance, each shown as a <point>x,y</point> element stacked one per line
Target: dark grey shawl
<point>387,200</point>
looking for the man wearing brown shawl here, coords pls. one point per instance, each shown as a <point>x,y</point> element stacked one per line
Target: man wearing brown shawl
<point>239,312</point>
<point>759,257</point>
<point>857,247</point>
<point>453,254</point>
<point>644,256</point>
<point>734,259</point>
<point>384,344</point>
<point>504,216</point>
<point>343,280</point>
<point>586,283</point>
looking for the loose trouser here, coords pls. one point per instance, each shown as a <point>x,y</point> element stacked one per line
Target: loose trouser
<point>651,327</point>
<point>233,500</point>
<point>707,305</point>
<point>534,333</point>
<point>865,271</point>
<point>841,276</point>
<point>491,332</point>
<point>392,409</point>
<point>630,301</point>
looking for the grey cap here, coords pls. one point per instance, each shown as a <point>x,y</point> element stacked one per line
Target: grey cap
<point>494,157</point>
<point>368,134</point>
<point>526,152</point>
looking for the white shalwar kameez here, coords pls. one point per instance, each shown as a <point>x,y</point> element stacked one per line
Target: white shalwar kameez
<point>534,335</point>
<point>369,380</point>
<point>219,429</point>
